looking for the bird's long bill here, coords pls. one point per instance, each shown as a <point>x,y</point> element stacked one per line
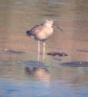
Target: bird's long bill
<point>58,27</point>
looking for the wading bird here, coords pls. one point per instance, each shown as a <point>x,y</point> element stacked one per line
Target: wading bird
<point>41,33</point>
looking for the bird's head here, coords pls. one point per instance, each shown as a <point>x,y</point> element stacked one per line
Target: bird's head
<point>52,23</point>
<point>49,23</point>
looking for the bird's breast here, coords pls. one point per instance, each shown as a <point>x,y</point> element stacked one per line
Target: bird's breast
<point>45,33</point>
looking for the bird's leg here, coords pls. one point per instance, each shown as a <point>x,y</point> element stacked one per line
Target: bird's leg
<point>38,57</point>
<point>44,50</point>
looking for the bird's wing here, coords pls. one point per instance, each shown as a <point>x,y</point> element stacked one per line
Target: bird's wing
<point>36,29</point>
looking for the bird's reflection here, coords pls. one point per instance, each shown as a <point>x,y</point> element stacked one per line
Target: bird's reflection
<point>41,74</point>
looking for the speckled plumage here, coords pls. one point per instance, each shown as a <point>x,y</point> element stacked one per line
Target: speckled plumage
<point>43,31</point>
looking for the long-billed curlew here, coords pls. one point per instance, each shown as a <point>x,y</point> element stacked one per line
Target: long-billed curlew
<point>41,33</point>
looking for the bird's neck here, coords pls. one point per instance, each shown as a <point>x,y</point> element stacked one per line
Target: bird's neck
<point>47,25</point>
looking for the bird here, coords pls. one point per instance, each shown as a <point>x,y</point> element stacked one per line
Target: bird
<point>41,33</point>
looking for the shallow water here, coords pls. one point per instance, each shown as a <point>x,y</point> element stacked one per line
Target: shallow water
<point>56,76</point>
<point>50,78</point>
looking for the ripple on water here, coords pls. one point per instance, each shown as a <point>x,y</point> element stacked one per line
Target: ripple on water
<point>76,64</point>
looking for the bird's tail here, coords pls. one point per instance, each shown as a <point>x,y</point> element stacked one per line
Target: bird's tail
<point>29,33</point>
